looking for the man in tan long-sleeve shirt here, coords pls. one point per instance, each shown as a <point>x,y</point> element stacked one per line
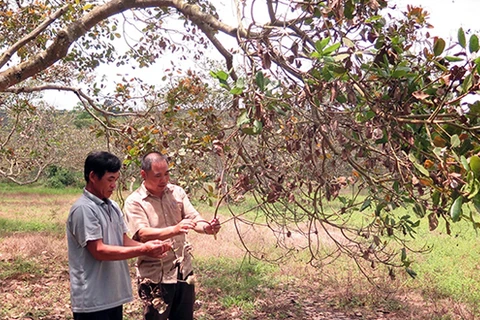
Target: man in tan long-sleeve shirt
<point>160,210</point>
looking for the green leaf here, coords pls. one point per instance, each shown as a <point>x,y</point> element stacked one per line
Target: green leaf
<point>338,71</point>
<point>279,110</point>
<point>475,165</point>
<point>436,198</point>
<point>461,38</point>
<point>331,49</point>
<point>379,43</point>
<point>248,130</point>
<point>438,46</point>
<point>456,209</point>
<point>379,208</point>
<point>87,7</point>
<point>321,44</point>
<point>418,166</point>
<point>441,66</point>
<point>438,151</point>
<point>474,108</point>
<point>257,126</point>
<point>240,83</point>
<point>365,204</point>
<point>453,59</point>
<point>473,43</point>
<point>239,86</point>
<point>419,210</point>
<point>349,9</point>
<point>399,73</point>
<point>222,75</point>
<point>341,98</point>
<point>415,224</point>
<point>477,64</point>
<point>464,162</point>
<point>236,91</point>
<point>243,119</point>
<point>411,273</point>
<point>476,202</point>
<point>455,141</point>
<point>396,186</point>
<point>373,18</point>
<point>421,169</point>
<point>475,188</point>
<point>260,80</point>
<point>467,83</point>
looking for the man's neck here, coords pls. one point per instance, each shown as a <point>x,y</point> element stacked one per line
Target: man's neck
<point>155,193</point>
<point>94,192</point>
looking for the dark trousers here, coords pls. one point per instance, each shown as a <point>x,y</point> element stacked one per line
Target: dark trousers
<point>176,300</point>
<point>109,314</point>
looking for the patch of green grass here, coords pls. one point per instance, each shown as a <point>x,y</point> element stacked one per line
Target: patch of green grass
<point>17,268</point>
<point>246,208</point>
<point>238,282</point>
<point>243,302</point>
<point>451,269</point>
<point>36,188</point>
<point>9,225</point>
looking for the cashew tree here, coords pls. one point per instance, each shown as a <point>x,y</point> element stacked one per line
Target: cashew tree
<point>331,115</point>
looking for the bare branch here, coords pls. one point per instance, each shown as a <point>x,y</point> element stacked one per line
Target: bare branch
<point>13,178</point>
<point>12,131</point>
<point>224,52</point>
<point>80,94</point>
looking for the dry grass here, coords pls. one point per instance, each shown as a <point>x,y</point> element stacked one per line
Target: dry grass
<point>41,289</point>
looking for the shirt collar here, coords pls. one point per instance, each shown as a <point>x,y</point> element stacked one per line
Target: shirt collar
<point>144,193</point>
<point>94,198</point>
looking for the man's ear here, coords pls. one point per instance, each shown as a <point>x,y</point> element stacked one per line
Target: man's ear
<point>92,176</point>
<point>143,174</point>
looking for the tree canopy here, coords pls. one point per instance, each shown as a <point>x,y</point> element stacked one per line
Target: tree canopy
<point>338,113</point>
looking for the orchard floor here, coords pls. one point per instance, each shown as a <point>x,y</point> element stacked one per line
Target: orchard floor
<point>42,292</point>
<point>34,281</point>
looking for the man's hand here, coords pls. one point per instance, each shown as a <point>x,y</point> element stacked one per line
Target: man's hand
<point>157,248</point>
<point>212,227</point>
<point>185,225</point>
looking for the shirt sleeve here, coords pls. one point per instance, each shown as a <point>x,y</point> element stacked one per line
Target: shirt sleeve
<point>85,225</point>
<point>135,216</point>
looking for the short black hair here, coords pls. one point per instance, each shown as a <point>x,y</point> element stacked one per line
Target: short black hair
<point>152,157</point>
<point>101,162</point>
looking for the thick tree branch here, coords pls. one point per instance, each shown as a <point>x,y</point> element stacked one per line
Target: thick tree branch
<point>7,55</point>
<point>66,37</point>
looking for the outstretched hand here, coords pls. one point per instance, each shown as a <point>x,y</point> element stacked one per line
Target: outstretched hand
<point>185,225</point>
<point>212,227</point>
<point>157,248</point>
